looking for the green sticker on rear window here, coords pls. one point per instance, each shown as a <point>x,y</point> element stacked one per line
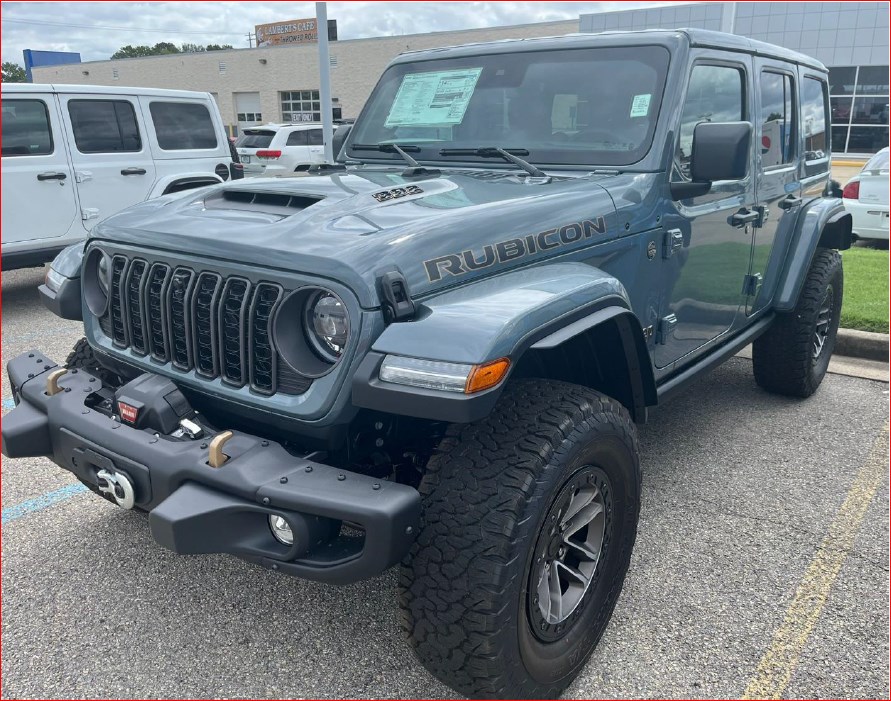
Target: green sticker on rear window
<point>439,98</point>
<point>640,105</point>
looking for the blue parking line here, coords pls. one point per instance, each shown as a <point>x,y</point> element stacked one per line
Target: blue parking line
<point>9,403</point>
<point>42,502</point>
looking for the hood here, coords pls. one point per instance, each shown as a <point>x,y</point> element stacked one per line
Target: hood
<point>439,231</point>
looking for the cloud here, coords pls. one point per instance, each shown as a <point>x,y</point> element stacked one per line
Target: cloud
<point>97,29</point>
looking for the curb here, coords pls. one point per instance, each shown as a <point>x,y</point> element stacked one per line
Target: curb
<point>862,344</point>
<point>851,164</point>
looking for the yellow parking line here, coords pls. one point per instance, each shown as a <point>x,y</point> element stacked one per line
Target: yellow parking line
<point>778,663</point>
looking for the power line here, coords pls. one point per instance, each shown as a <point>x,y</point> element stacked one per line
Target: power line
<point>119,29</point>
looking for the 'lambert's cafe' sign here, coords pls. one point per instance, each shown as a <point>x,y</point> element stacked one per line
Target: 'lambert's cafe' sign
<point>295,31</point>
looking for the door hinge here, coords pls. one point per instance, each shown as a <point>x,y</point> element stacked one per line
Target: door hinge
<point>666,328</point>
<point>751,284</point>
<point>396,302</point>
<point>673,241</point>
<point>82,176</point>
<point>763,215</point>
<point>89,213</point>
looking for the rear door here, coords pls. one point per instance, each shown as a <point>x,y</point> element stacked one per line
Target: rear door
<point>112,161</point>
<point>38,181</point>
<point>247,145</point>
<point>777,180</point>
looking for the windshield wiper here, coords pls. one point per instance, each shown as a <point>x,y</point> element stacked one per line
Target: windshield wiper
<point>414,168</point>
<point>496,152</point>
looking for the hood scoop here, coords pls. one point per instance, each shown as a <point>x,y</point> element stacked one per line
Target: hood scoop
<point>280,204</point>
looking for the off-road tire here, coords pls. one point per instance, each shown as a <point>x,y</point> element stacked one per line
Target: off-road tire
<point>486,493</point>
<point>783,357</point>
<point>82,358</point>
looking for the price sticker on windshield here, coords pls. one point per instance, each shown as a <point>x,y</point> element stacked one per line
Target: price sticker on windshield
<point>438,98</point>
<point>640,105</point>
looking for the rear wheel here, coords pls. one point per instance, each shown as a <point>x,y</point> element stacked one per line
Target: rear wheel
<point>530,518</point>
<point>792,357</point>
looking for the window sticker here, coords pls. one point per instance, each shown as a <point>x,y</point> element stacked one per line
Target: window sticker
<point>640,105</point>
<point>434,99</point>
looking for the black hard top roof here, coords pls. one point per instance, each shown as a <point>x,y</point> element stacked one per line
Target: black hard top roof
<point>667,37</point>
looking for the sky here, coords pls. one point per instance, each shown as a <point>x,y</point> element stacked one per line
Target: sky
<point>97,29</point>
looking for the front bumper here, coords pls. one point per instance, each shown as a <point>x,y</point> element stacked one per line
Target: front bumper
<point>194,508</point>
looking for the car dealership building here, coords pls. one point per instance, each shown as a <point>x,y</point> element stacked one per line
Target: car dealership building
<point>280,83</point>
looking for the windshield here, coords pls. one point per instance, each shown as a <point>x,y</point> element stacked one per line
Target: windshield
<point>255,139</point>
<point>567,107</point>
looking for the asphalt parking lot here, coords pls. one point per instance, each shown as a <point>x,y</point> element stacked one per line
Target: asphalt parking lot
<point>761,567</point>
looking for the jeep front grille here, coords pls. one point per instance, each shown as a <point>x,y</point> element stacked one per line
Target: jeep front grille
<point>220,327</point>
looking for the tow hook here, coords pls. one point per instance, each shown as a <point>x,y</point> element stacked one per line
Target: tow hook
<point>116,487</point>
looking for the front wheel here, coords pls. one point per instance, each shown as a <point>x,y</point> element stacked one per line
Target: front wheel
<point>530,519</point>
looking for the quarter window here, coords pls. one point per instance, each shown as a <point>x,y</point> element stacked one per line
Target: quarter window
<point>181,126</point>
<point>776,120</point>
<point>104,126</point>
<point>26,128</point>
<point>315,137</point>
<point>715,94</point>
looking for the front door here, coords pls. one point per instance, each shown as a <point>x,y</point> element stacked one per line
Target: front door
<point>111,155</point>
<point>38,183</point>
<point>706,254</point>
<point>777,182</point>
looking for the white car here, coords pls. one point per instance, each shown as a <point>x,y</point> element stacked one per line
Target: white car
<point>866,198</point>
<point>75,154</point>
<point>275,149</point>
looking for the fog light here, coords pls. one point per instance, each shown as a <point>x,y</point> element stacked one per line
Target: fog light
<point>281,530</point>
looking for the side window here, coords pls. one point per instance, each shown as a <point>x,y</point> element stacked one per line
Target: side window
<point>777,119</point>
<point>104,126</point>
<point>814,108</point>
<point>26,128</point>
<point>315,137</point>
<point>297,138</point>
<point>181,126</point>
<point>715,94</point>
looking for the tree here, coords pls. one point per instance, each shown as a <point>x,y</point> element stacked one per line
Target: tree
<point>14,73</point>
<point>162,47</point>
<point>165,47</point>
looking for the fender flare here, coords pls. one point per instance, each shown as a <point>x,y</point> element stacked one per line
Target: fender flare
<point>171,183</point>
<point>822,223</point>
<point>504,316</point>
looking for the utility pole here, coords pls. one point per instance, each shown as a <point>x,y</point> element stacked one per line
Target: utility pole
<point>250,38</point>
<point>325,80</point>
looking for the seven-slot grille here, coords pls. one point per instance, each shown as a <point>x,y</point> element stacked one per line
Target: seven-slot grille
<point>199,320</point>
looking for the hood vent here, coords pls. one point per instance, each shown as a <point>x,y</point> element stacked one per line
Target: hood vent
<point>279,203</point>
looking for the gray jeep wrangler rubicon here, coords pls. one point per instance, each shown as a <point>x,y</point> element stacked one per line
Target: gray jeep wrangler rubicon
<point>434,353</point>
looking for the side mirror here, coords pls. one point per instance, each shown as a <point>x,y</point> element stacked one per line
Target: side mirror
<point>720,152</point>
<point>337,141</point>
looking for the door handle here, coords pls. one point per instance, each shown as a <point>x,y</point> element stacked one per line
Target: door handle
<point>790,202</point>
<point>51,176</point>
<point>742,217</point>
<point>133,171</point>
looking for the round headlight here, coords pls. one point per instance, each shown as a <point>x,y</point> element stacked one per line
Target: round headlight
<point>326,325</point>
<point>104,274</point>
<point>95,280</point>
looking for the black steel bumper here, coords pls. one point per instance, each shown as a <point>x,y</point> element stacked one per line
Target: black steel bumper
<point>195,508</point>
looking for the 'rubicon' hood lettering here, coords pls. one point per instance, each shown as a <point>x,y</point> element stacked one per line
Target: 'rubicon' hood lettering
<point>511,249</point>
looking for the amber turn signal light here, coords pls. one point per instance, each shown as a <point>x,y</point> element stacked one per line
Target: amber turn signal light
<point>487,375</point>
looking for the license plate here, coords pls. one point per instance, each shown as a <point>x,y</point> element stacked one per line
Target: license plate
<point>245,159</point>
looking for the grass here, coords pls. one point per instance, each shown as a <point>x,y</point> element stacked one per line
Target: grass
<point>865,305</point>
<point>713,273</point>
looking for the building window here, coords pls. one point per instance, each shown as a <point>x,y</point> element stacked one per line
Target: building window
<point>301,106</point>
<point>859,100</point>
